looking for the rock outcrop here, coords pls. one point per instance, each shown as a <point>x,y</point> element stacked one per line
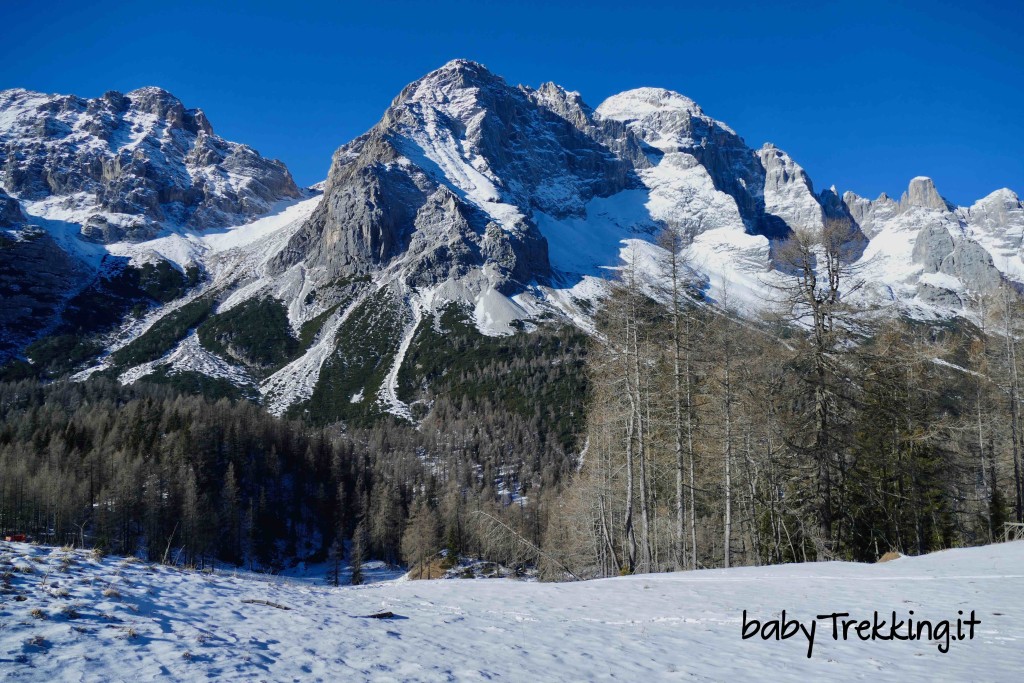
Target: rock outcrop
<point>460,149</point>
<point>138,161</point>
<point>10,211</point>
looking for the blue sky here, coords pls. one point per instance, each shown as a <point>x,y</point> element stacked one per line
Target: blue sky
<point>864,95</point>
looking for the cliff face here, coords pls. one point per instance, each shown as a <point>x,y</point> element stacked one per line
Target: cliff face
<point>131,165</point>
<point>511,203</point>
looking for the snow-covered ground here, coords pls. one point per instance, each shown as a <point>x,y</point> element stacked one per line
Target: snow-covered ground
<point>88,620</point>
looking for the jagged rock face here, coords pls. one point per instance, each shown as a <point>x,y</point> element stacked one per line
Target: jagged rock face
<point>973,266</point>
<point>772,193</point>
<point>608,132</point>
<point>870,215</point>
<point>962,258</point>
<point>672,123</point>
<point>532,157</point>
<point>499,153</point>
<point>512,202</point>
<point>938,296</point>
<point>957,253</point>
<point>788,193</point>
<point>1000,216</point>
<point>10,211</point>
<point>922,193</point>
<point>36,276</point>
<point>368,207</point>
<point>110,228</point>
<point>932,246</point>
<point>443,241</point>
<point>463,172</point>
<point>140,155</point>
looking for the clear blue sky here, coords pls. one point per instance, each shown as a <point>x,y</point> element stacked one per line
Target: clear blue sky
<point>864,95</point>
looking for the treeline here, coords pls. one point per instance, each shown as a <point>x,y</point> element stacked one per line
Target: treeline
<point>682,435</point>
<point>823,431</point>
<point>145,470</point>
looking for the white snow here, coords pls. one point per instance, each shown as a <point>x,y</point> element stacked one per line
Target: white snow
<point>388,396</point>
<point>640,102</point>
<point>493,312</point>
<point>165,623</point>
<point>190,356</point>
<point>295,382</point>
<point>435,133</point>
<point>589,245</point>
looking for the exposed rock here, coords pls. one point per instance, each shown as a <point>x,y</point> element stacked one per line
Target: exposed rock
<point>142,154</point>
<point>870,215</point>
<point>922,193</point>
<point>608,132</point>
<point>109,228</point>
<point>499,153</point>
<point>932,246</point>
<point>973,265</point>
<point>788,193</point>
<point>672,123</point>
<point>10,211</point>
<point>567,104</point>
<point>938,296</point>
<point>36,277</point>
<point>468,189</point>
<point>999,216</point>
<point>443,243</point>
<point>832,204</point>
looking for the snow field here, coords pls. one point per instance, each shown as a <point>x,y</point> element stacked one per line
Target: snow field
<point>84,619</point>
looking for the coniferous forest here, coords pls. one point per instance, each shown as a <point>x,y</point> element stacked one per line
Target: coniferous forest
<point>681,434</point>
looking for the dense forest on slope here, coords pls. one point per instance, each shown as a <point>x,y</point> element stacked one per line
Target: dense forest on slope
<point>823,431</point>
<point>147,470</point>
<point>538,376</point>
<point>119,292</point>
<point>679,436</point>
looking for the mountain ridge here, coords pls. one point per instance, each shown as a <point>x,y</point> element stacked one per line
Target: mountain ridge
<point>514,204</point>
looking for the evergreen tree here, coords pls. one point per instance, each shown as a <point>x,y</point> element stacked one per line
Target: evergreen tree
<point>335,557</point>
<point>359,546</point>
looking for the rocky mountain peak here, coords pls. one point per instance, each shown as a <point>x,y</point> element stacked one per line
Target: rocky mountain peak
<point>167,107</point>
<point>465,68</point>
<point>1001,197</point>
<point>632,105</point>
<point>441,84</point>
<point>128,166</point>
<point>788,192</point>
<point>999,214</point>
<point>567,104</point>
<point>922,193</point>
<point>513,202</point>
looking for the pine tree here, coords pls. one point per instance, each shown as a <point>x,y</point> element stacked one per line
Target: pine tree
<point>231,519</point>
<point>421,539</point>
<point>359,546</point>
<point>334,560</point>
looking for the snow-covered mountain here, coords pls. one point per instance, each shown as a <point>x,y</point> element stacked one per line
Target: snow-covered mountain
<point>506,204</point>
<point>128,166</point>
<point>117,170</point>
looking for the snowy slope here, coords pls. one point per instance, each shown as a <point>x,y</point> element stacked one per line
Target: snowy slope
<point>132,164</point>
<point>137,622</point>
<point>514,202</point>
<point>235,261</point>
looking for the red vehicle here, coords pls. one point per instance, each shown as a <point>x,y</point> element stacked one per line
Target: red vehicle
<point>19,538</point>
